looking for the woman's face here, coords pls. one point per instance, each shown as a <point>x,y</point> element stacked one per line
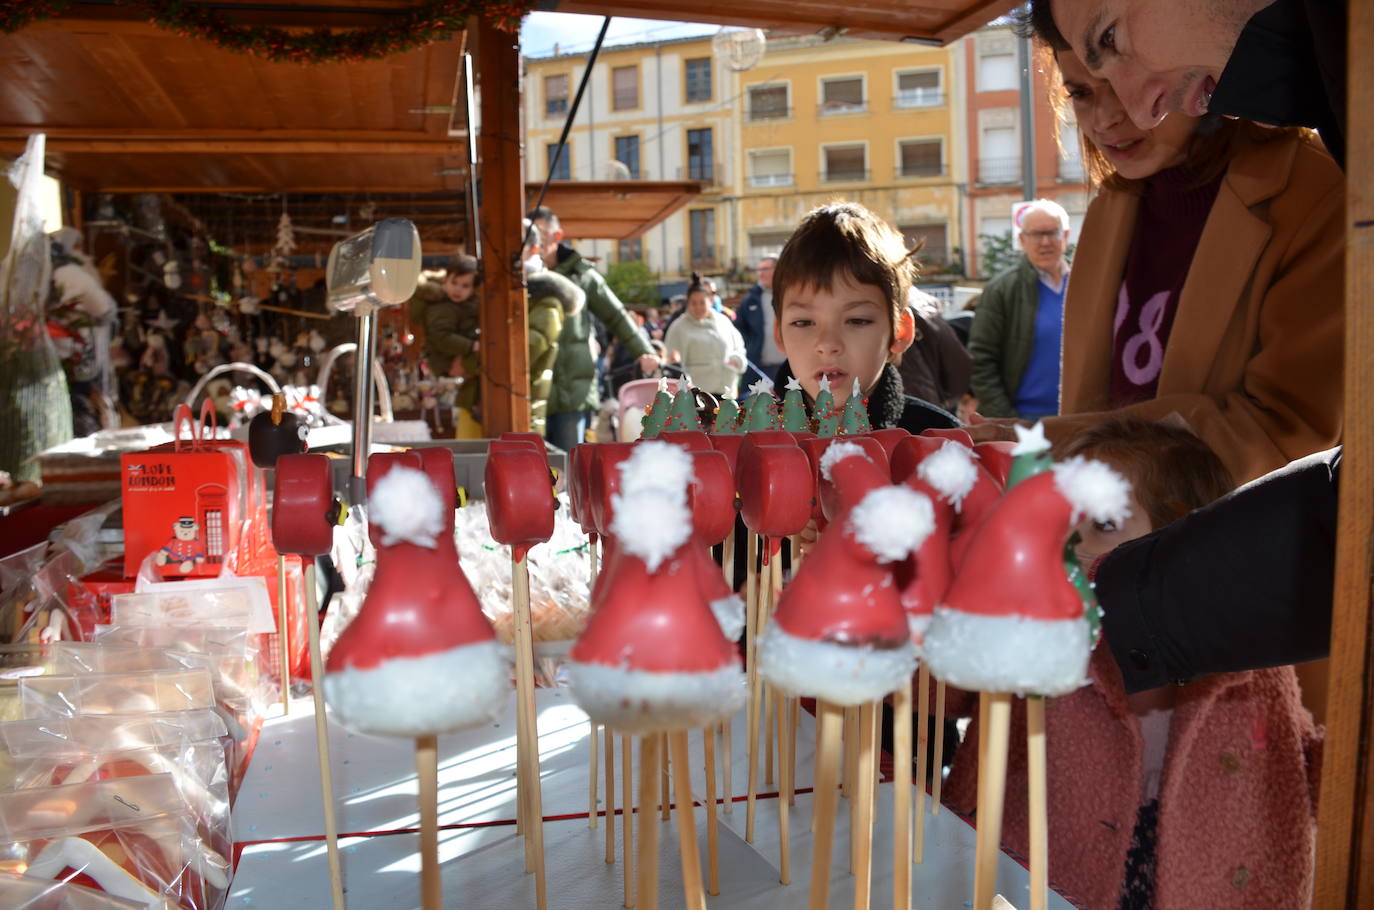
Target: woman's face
<point>1134,153</point>
<point>698,304</point>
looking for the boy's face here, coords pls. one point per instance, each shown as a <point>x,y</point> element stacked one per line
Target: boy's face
<point>459,287</point>
<point>844,333</point>
<point>1099,538</point>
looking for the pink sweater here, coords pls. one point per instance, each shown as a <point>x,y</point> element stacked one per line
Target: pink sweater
<point>1237,803</point>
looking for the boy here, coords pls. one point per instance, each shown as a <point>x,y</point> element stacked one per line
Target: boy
<point>840,301</point>
<point>448,315</point>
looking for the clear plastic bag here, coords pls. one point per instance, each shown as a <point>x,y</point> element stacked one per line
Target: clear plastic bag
<point>188,745</point>
<point>131,836</point>
<point>142,692</point>
<point>227,602</point>
<point>23,892</point>
<point>21,661</point>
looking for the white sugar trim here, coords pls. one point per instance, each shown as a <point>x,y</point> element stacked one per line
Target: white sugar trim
<point>417,696</point>
<point>892,521</point>
<point>837,451</point>
<point>407,507</point>
<point>651,524</point>
<point>839,673</point>
<point>1093,489</point>
<point>1030,442</point>
<point>950,469</point>
<point>918,623</point>
<point>638,701</point>
<point>1007,653</point>
<point>729,613</point>
<point>656,466</point>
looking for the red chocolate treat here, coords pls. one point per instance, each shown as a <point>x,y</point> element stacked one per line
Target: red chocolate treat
<point>520,500</point>
<point>304,510</point>
<point>958,434</point>
<point>712,497</point>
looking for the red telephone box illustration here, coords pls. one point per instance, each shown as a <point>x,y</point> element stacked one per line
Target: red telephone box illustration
<point>210,508</point>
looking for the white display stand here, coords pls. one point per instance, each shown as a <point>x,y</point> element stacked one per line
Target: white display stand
<point>277,817</point>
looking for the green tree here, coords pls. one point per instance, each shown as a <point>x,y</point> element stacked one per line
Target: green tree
<point>999,253</point>
<point>634,283</point>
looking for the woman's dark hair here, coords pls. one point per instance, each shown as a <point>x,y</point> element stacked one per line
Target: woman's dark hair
<point>1036,20</point>
<point>697,285</point>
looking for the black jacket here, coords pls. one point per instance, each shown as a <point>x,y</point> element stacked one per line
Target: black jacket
<point>1242,584</point>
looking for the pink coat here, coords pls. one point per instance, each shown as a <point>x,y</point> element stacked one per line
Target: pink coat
<point>1237,802</point>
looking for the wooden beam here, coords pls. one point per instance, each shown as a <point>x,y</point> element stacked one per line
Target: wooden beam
<point>440,147</point>
<point>214,134</point>
<point>259,188</point>
<point>1345,815</point>
<point>504,312</point>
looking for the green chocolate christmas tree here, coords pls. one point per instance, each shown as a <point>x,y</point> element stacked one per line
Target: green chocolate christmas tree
<point>825,411</point>
<point>854,417</point>
<point>794,416</point>
<point>657,414</point>
<point>683,413</point>
<point>761,408</point>
<point>727,417</point>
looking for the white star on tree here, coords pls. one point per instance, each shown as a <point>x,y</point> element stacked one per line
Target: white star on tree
<point>854,391</point>
<point>663,384</point>
<point>1030,441</point>
<point>762,387</point>
<point>825,383</point>
<point>793,385</point>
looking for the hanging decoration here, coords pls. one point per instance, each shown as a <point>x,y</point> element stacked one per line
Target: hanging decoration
<point>404,32</point>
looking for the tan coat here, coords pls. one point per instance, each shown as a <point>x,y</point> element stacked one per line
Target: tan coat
<point>1254,360</point>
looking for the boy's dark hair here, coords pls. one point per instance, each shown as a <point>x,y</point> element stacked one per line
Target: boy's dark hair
<point>845,237</point>
<point>461,264</point>
<point>1171,470</point>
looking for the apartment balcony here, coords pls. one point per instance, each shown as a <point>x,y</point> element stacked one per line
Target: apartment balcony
<point>700,258</point>
<point>764,113</point>
<point>837,108</point>
<point>909,173</point>
<point>844,175</point>
<point>708,173</point>
<point>916,98</point>
<point>999,170</point>
<point>769,181</point>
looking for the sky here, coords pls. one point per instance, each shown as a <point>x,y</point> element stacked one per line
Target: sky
<point>572,32</point>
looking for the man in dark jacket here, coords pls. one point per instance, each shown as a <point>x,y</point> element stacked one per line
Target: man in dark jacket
<point>573,397</point>
<point>755,319</point>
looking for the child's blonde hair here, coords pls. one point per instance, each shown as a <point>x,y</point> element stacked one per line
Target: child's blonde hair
<point>845,237</point>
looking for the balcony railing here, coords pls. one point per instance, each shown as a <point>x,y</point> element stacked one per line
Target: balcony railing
<point>938,170</point>
<point>711,173</point>
<point>844,175</point>
<point>999,170</point>
<point>918,97</point>
<point>698,258</point>
<point>767,181</point>
<point>759,112</point>
<point>832,108</point>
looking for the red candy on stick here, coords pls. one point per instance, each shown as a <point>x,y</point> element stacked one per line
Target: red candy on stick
<point>775,491</point>
<point>605,482</point>
<point>520,501</point>
<point>889,439</point>
<point>997,456</point>
<point>690,440</point>
<point>729,445</point>
<point>712,499</point>
<point>958,434</point>
<point>828,493</point>
<point>304,510</point>
<point>377,467</point>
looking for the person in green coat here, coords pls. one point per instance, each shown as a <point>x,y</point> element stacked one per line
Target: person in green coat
<point>573,397</point>
<point>553,300</point>
<point>447,312</point>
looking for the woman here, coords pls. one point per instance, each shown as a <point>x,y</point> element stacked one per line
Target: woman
<point>706,343</point>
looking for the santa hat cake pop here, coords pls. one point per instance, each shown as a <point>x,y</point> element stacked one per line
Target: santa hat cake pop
<point>1012,621</point>
<point>419,658</point>
<point>652,656</point>
<point>840,632</point>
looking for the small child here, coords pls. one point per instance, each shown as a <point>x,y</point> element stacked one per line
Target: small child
<point>1200,795</point>
<point>448,314</point>
<point>840,301</point>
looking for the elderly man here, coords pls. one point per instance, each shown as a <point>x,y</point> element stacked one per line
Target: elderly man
<point>755,321</point>
<point>1016,332</point>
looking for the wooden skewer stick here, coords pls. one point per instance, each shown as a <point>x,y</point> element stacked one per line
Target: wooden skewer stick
<point>686,823</point>
<point>331,828</point>
<point>901,803</point>
<point>712,838</point>
<point>784,821</point>
<point>627,815</point>
<point>427,773</point>
<point>828,724</point>
<point>665,788</point>
<point>991,799</point>
<point>1039,804</point>
<point>851,782</point>
<point>283,636</point>
<point>922,749</point>
<point>938,761</point>
<point>767,593</point>
<point>727,762</point>
<point>528,771</point>
<point>863,798</point>
<point>610,796</point>
<point>751,651</point>
<point>592,737</point>
<point>648,828</point>
<point>794,704</point>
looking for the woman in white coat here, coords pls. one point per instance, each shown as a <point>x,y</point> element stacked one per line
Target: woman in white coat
<point>706,343</point>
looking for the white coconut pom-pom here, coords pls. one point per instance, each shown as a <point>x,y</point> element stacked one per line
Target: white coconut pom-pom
<point>638,701</point>
<point>950,469</point>
<point>656,466</point>
<point>1094,489</point>
<point>419,696</point>
<point>837,451</point>
<point>729,613</point>
<point>1007,653</point>
<point>842,674</point>
<point>892,522</point>
<point>918,623</point>
<point>405,505</point>
<point>651,524</point>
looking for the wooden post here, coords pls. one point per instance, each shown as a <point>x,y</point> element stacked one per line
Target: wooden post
<point>1345,812</point>
<point>922,747</point>
<point>504,312</point>
<point>610,796</point>
<point>627,815</point>
<point>901,801</point>
<point>712,836</point>
<point>527,764</point>
<point>427,777</point>
<point>1039,803</point>
<point>688,850</point>
<point>827,770</point>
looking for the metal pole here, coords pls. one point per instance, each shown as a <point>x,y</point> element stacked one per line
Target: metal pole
<point>362,399</point>
<point>1023,63</point>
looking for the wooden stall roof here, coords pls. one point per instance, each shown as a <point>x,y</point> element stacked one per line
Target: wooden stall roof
<point>613,209</point>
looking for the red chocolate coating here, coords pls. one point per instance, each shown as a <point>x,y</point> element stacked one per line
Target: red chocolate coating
<point>829,494</point>
<point>605,482</point>
<point>958,434</point>
<point>519,497</point>
<point>711,496</point>
<point>302,500</point>
<point>909,453</point>
<point>775,489</point>
<point>437,463</point>
<point>728,444</point>
<point>691,440</point>
<point>889,439</point>
<point>996,457</point>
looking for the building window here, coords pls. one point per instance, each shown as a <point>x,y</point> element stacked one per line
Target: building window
<point>697,73</point>
<point>555,95</point>
<point>627,153</point>
<point>768,102</point>
<point>769,168</point>
<point>702,224</point>
<point>997,72</point>
<point>630,250</point>
<point>700,162</point>
<point>624,88</point>
<point>919,89</point>
<point>845,163</point>
<point>842,96</point>
<point>562,169</point>
<point>934,249</point>
<point>920,158</point>
<point>766,243</point>
<point>999,160</point>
